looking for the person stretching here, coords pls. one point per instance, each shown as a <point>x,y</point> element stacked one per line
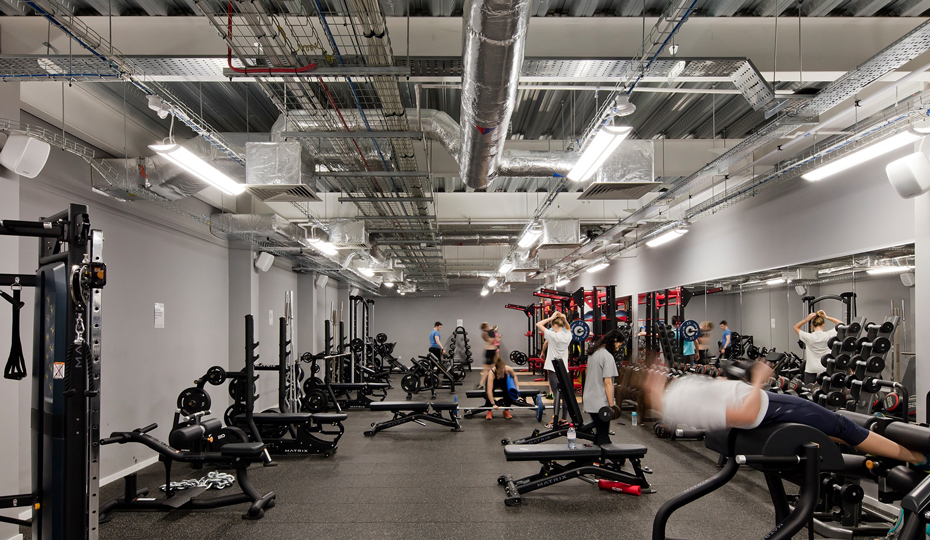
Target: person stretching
<point>815,343</point>
<point>558,338</point>
<point>435,342</point>
<point>713,404</point>
<point>487,335</point>
<point>497,377</point>
<point>599,382</point>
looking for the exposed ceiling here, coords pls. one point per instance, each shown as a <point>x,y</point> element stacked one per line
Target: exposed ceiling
<point>402,186</point>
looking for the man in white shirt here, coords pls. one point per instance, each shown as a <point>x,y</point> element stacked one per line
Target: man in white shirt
<point>815,343</point>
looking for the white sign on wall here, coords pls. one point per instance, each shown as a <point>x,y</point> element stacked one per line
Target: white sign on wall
<point>159,315</point>
<point>270,317</point>
<point>458,322</point>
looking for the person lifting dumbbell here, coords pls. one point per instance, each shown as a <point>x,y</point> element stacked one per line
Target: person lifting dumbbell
<point>714,404</point>
<point>815,343</point>
<point>599,383</point>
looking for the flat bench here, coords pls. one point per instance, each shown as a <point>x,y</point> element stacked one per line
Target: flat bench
<point>360,386</point>
<point>498,393</point>
<point>292,418</point>
<point>586,462</point>
<point>415,411</point>
<point>296,433</point>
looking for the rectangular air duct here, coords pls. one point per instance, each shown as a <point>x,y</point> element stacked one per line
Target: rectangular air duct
<point>348,233</point>
<point>522,260</point>
<point>275,172</point>
<point>560,232</point>
<point>261,227</point>
<point>626,175</point>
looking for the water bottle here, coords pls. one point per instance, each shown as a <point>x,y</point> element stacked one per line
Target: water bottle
<point>635,419</point>
<point>571,436</point>
<point>455,399</point>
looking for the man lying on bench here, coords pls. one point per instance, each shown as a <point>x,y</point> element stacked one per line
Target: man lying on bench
<point>415,411</point>
<point>583,430</point>
<point>586,461</point>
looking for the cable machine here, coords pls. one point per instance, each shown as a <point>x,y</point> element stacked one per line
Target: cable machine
<point>67,340</point>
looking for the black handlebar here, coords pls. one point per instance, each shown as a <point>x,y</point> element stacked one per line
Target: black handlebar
<point>147,428</point>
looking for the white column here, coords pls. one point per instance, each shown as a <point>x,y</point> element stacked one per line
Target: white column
<point>922,304</point>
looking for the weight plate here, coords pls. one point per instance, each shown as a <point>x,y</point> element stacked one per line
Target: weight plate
<point>410,383</point>
<point>381,337</point>
<point>458,372</point>
<point>315,400</point>
<point>886,327</point>
<point>580,330</point>
<point>881,345</point>
<point>518,357</point>
<point>876,364</point>
<point>216,375</point>
<point>193,400</point>
<point>849,344</point>
<point>357,345</point>
<point>843,361</point>
<point>232,412</point>
<point>431,381</point>
<point>689,330</point>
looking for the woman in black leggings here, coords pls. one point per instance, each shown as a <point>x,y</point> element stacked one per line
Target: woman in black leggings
<point>497,377</point>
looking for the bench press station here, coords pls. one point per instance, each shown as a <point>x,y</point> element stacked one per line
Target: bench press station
<point>583,430</point>
<point>537,405</point>
<point>605,462</point>
<point>415,411</point>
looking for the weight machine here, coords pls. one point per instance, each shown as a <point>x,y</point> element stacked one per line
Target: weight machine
<point>67,339</point>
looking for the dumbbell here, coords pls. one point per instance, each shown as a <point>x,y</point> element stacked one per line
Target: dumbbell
<point>606,413</point>
<point>838,379</point>
<point>879,345</point>
<point>851,328</point>
<point>836,398</point>
<point>892,401</point>
<point>883,328</point>
<point>661,430</point>
<point>843,361</point>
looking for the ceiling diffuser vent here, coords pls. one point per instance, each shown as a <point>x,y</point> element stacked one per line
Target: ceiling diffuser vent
<point>617,191</point>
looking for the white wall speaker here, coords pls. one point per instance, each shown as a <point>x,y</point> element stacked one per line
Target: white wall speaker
<point>264,261</point>
<point>800,289</point>
<point>322,280</point>
<point>353,291</point>
<point>910,175</point>
<point>907,279</point>
<point>24,155</point>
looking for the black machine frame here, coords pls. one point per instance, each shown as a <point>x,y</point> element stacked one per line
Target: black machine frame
<point>65,374</point>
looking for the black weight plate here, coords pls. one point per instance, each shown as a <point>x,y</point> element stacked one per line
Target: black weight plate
<point>431,381</point>
<point>381,337</point>
<point>216,375</point>
<point>831,341</point>
<point>518,357</point>
<point>843,361</point>
<point>458,372</point>
<point>315,400</point>
<point>849,344</point>
<point>193,400</point>
<point>854,328</point>
<point>887,327</point>
<point>825,359</point>
<point>356,345</point>
<point>881,345</point>
<point>836,399</point>
<point>410,383</point>
<point>232,412</point>
<point>876,364</point>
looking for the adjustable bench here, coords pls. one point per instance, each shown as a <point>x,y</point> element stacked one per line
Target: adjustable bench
<point>537,405</point>
<point>583,429</point>
<point>295,433</point>
<point>415,411</point>
<point>604,462</point>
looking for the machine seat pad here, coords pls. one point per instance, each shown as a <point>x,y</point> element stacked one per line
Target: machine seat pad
<point>444,405</point>
<point>408,406</point>
<point>623,450</point>
<point>245,449</point>
<point>329,417</point>
<point>275,418</point>
<point>550,452</point>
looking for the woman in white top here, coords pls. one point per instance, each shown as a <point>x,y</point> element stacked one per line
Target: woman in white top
<point>558,339</point>
<point>815,343</point>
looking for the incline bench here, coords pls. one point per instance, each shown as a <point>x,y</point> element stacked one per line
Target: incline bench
<point>583,429</point>
<point>415,411</point>
<point>600,461</point>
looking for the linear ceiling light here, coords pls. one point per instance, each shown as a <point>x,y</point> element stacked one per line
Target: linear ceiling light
<point>484,291</point>
<point>861,156</point>
<point>888,269</point>
<point>562,282</point>
<point>183,158</point>
<point>493,281</point>
<point>366,271</point>
<point>505,267</point>
<point>325,248</point>
<point>605,142</point>
<point>388,284</point>
<point>598,266</point>
<point>777,281</point>
<point>530,236</point>
<point>667,237</point>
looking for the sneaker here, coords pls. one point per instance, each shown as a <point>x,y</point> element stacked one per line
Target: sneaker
<point>489,415</point>
<point>507,415</point>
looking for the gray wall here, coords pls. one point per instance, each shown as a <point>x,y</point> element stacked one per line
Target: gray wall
<point>408,321</point>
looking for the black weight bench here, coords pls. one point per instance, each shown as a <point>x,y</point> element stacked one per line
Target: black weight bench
<point>415,411</point>
<point>792,451</point>
<point>585,460</point>
<point>521,403</point>
<point>498,393</point>
<point>296,433</point>
<point>583,430</point>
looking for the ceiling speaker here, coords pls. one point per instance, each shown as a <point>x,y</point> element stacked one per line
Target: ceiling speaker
<point>907,279</point>
<point>353,291</point>
<point>264,261</point>
<point>24,155</point>
<point>800,289</point>
<point>321,280</point>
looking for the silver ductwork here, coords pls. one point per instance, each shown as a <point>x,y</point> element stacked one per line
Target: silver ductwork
<point>477,239</point>
<point>435,125</point>
<point>495,37</point>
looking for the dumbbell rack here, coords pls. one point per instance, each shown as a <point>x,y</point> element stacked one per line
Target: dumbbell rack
<point>670,347</point>
<point>460,337</point>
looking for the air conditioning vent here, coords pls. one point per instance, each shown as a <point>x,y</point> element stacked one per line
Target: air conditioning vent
<point>617,191</point>
<point>282,192</point>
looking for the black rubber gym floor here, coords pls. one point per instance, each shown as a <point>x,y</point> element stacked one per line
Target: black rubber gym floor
<point>428,482</point>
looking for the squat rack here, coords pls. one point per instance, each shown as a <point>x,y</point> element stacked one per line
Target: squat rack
<point>67,341</point>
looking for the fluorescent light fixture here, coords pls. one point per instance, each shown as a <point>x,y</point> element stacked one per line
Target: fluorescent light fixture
<point>667,237</point>
<point>562,281</point>
<point>484,292</point>
<point>861,156</point>
<point>493,281</point>
<point>388,284</point>
<point>183,158</point>
<point>505,267</point>
<point>366,271</point>
<point>605,142</point>
<point>777,281</point>
<point>598,266</point>
<point>753,282</point>
<point>877,270</point>
<point>530,236</point>
<point>325,248</point>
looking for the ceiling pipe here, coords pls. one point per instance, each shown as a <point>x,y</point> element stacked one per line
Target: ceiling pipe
<point>495,37</point>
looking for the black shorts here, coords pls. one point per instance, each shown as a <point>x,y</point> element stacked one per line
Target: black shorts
<point>788,408</point>
<point>489,356</point>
